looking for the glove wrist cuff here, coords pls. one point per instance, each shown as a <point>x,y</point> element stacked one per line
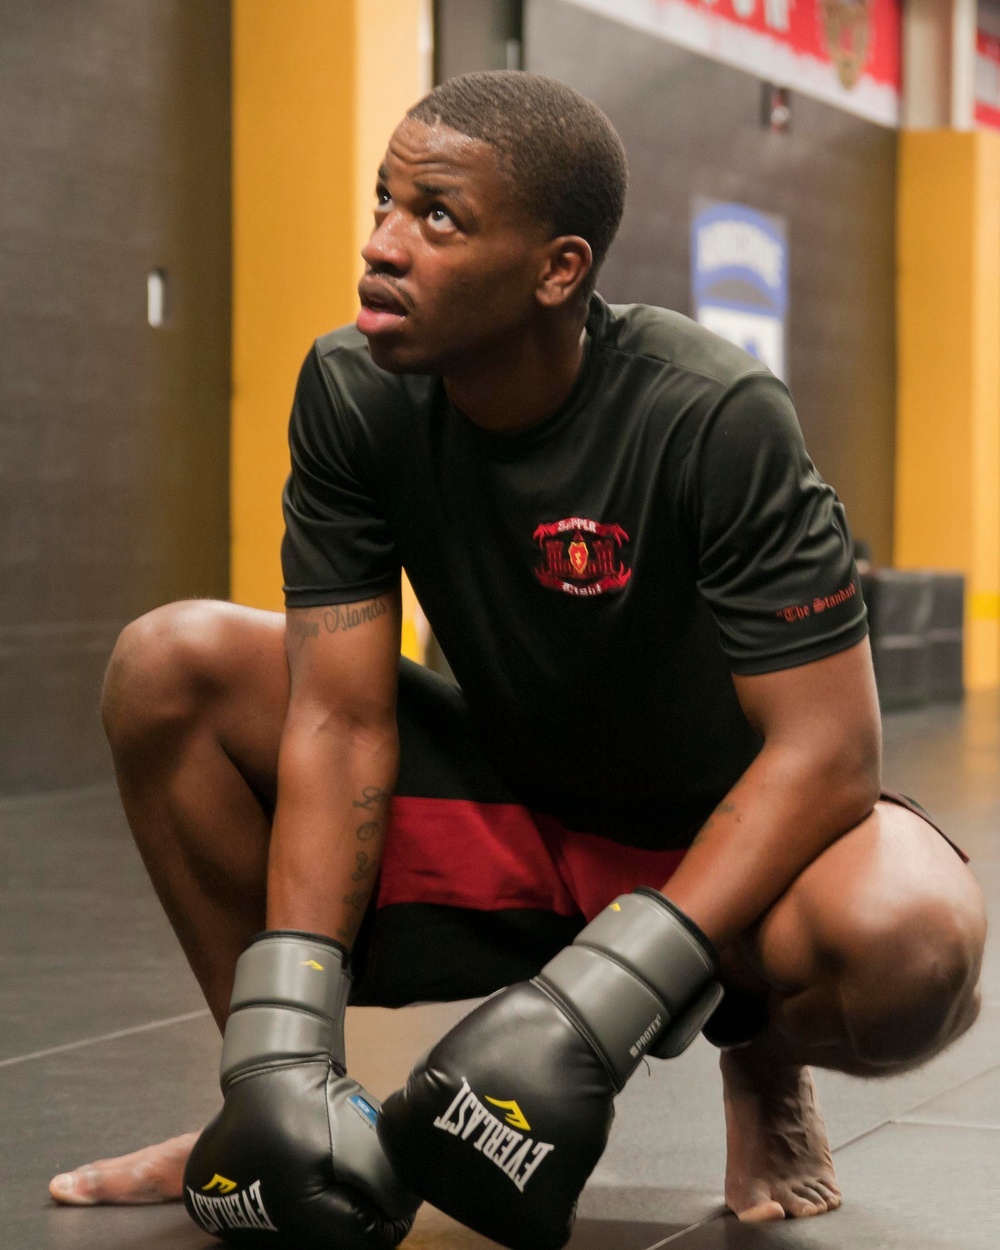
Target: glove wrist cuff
<point>304,935</point>
<point>675,913</point>
<point>659,944</point>
<point>639,973</point>
<point>288,1002</point>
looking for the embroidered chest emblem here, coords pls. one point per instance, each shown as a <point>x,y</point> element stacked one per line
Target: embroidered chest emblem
<point>581,557</point>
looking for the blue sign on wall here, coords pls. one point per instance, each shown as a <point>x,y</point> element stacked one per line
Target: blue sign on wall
<point>739,278</point>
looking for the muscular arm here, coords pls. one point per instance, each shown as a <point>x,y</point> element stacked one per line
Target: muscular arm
<point>336,767</point>
<point>816,776</point>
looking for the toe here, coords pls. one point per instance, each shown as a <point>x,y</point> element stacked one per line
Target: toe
<point>803,1208</point>
<point>73,1189</point>
<point>763,1212</point>
<point>829,1193</point>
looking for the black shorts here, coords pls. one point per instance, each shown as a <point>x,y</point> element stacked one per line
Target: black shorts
<point>476,890</point>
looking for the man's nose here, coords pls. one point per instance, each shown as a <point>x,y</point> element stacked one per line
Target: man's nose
<point>386,248</point>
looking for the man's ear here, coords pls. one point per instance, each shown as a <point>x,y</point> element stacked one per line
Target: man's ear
<point>568,260</point>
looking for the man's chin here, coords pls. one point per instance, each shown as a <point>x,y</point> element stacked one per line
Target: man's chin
<point>398,357</point>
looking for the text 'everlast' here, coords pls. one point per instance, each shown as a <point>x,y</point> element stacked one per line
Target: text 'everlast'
<point>240,1210</point>
<point>517,1156</point>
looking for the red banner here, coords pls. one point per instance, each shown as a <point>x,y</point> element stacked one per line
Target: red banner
<point>847,52</point>
<point>987,80</point>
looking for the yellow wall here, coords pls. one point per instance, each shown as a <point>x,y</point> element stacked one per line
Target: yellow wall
<point>318,86</point>
<point>948,432</point>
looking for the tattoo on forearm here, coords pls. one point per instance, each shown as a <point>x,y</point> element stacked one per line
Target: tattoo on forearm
<point>725,808</point>
<point>372,799</point>
<point>345,616</point>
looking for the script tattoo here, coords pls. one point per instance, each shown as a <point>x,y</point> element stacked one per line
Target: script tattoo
<point>725,808</point>
<point>372,801</point>
<point>357,901</point>
<point>345,616</point>
<point>371,797</point>
<point>299,629</point>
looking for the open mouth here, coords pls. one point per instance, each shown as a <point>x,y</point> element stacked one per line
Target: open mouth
<point>381,308</point>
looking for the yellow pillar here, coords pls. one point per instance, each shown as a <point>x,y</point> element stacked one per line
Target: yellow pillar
<point>318,86</point>
<point>947,511</point>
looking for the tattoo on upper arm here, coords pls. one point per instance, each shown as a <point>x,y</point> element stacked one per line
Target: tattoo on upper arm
<point>342,617</point>
<point>299,628</point>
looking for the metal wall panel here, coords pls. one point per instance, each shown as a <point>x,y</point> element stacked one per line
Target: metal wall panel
<point>475,34</point>
<point>114,159</point>
<point>692,127</point>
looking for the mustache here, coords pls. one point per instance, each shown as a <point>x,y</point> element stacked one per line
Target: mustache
<point>375,287</point>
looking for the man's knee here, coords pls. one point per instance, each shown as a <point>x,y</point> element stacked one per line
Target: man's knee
<point>909,982</point>
<point>163,668</point>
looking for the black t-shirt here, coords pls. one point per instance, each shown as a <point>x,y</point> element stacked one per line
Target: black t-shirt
<point>595,578</point>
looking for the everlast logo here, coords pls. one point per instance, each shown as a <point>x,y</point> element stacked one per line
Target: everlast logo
<point>244,1209</point>
<point>517,1156</point>
<point>646,1038</point>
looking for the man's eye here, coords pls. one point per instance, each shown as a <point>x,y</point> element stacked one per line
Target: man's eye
<point>440,218</point>
<point>382,197</point>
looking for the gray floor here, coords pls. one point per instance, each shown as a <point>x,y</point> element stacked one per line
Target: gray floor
<point>104,1045</point>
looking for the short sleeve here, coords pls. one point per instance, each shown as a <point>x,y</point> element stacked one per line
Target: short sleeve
<point>774,554</point>
<point>337,546</point>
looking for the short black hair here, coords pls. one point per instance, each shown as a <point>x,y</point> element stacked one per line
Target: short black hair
<point>564,157</point>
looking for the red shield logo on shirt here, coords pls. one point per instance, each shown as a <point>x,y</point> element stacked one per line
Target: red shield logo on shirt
<point>581,557</point>
<point>578,556</point>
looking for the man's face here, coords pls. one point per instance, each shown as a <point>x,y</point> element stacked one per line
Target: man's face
<point>452,265</point>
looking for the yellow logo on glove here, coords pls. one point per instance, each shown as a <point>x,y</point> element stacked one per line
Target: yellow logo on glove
<point>225,1186</point>
<point>311,963</point>
<point>516,1117</point>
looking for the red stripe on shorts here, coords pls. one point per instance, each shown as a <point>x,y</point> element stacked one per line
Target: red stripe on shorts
<point>490,856</point>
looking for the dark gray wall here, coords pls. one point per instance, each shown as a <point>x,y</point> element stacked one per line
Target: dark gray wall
<point>114,158</point>
<point>693,127</point>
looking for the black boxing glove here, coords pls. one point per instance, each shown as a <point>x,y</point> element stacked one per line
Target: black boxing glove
<point>505,1119</point>
<point>292,1160</point>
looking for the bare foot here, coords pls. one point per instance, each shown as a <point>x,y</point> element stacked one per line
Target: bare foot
<point>779,1164</point>
<point>155,1174</point>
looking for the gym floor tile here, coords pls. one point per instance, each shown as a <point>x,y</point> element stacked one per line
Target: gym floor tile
<point>384,1043</point>
<point>84,947</point>
<point>434,1231</point>
<point>976,1102</point>
<point>110,1228</point>
<point>673,1208</point>
<point>907,1187</point>
<point>92,1102</point>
